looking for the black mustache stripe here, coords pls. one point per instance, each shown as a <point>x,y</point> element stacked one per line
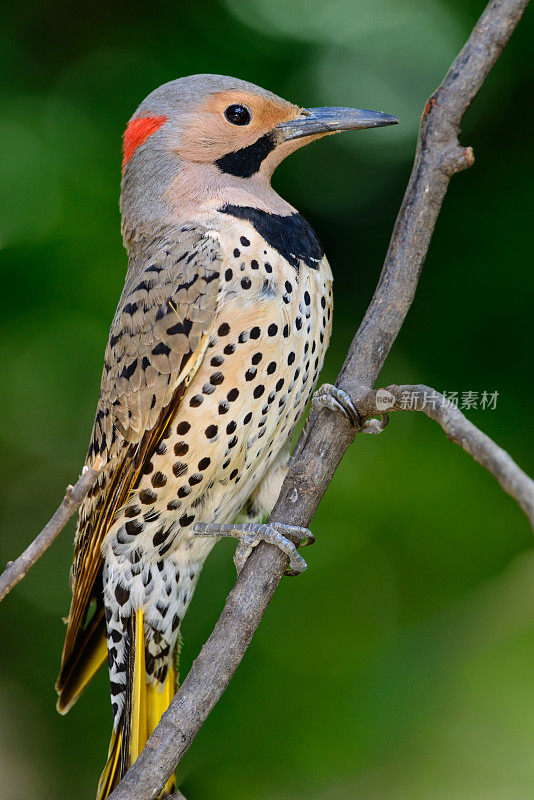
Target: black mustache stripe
<point>246,162</point>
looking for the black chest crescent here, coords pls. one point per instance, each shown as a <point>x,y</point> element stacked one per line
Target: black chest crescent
<point>291,235</point>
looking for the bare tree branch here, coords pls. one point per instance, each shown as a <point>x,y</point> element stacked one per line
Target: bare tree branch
<point>74,495</point>
<point>438,157</point>
<point>460,431</point>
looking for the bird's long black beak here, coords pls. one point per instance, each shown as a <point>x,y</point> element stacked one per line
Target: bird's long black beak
<point>330,119</point>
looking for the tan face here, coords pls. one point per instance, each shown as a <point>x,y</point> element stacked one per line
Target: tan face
<point>209,133</point>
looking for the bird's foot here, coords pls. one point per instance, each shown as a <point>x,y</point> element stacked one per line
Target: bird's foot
<point>249,534</point>
<point>337,400</point>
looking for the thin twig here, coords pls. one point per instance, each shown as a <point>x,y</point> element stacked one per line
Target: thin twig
<point>459,430</point>
<point>438,157</point>
<point>74,495</point>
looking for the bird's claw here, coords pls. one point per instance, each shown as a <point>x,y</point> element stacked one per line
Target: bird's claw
<point>335,399</point>
<point>249,534</point>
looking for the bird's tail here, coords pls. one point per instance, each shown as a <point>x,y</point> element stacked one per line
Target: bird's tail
<point>144,705</point>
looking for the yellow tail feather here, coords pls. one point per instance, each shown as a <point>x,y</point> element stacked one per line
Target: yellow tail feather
<point>111,772</point>
<point>148,704</point>
<point>83,664</point>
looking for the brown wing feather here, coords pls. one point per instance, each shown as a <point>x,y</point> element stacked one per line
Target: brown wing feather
<point>156,344</point>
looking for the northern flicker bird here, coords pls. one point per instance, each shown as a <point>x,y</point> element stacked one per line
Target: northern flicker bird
<point>213,354</point>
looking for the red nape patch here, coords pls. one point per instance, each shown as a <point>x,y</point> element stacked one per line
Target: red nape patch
<point>137,132</point>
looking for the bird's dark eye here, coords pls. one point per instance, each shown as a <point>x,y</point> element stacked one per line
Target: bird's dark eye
<point>238,115</point>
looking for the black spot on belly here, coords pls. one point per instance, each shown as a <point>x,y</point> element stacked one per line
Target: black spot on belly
<point>291,235</point>
<point>134,527</point>
<point>122,595</point>
<point>160,536</point>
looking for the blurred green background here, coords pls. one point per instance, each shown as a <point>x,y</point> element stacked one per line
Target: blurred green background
<point>400,666</point>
